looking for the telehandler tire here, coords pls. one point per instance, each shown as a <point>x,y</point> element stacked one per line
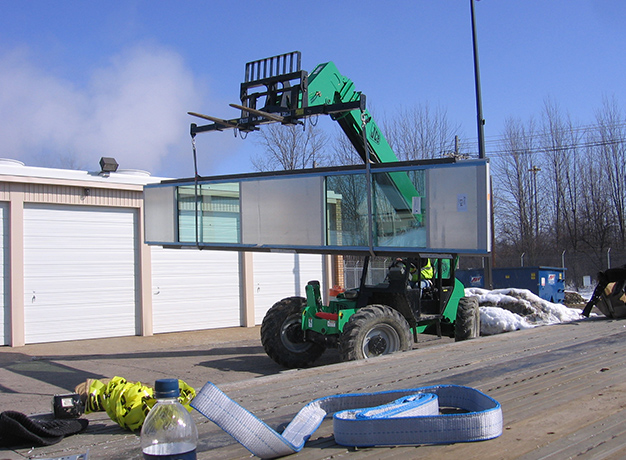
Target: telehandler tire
<point>373,331</point>
<point>282,336</point>
<point>467,324</point>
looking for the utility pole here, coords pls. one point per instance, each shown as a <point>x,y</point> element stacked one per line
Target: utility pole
<point>535,170</point>
<point>480,121</point>
<point>479,104</point>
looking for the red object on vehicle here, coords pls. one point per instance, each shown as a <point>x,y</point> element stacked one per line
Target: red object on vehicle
<point>324,315</point>
<point>335,290</point>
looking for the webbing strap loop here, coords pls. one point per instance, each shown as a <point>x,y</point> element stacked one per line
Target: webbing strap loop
<point>389,418</point>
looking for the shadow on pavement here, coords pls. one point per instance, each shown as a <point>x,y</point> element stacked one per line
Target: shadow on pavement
<point>154,354</point>
<point>49,372</point>
<point>55,370</point>
<point>262,364</point>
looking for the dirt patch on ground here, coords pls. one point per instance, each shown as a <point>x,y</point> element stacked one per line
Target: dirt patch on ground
<point>574,300</point>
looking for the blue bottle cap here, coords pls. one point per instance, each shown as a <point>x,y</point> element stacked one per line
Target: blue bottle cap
<point>166,388</point>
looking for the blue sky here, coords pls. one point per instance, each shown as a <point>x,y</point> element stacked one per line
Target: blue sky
<point>81,79</point>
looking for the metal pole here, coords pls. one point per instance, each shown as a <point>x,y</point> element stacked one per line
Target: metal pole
<point>195,187</point>
<point>481,138</point>
<point>535,170</point>
<point>479,104</point>
<point>368,176</point>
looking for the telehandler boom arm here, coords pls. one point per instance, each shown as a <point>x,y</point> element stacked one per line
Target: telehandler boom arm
<point>289,95</point>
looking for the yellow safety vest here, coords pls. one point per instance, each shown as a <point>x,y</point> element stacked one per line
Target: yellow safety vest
<point>426,271</point>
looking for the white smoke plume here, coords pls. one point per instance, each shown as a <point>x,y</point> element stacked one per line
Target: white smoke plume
<point>133,109</point>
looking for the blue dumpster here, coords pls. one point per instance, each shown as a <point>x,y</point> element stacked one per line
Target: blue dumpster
<point>471,278</point>
<point>547,282</point>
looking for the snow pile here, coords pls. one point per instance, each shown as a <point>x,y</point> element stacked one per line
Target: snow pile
<point>494,320</point>
<point>503,310</point>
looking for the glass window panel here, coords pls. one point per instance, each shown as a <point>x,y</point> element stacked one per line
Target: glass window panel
<point>398,206</point>
<point>346,210</point>
<point>219,218</point>
<point>398,209</point>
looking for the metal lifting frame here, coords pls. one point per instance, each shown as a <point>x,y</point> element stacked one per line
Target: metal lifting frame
<point>276,75</point>
<point>285,94</point>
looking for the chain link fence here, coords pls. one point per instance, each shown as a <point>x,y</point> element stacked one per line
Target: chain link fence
<point>581,267</point>
<point>353,267</point>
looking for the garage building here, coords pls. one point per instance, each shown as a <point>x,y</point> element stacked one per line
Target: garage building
<point>75,266</point>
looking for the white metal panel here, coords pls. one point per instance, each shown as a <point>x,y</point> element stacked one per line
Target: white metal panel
<point>5,318</point>
<point>194,289</point>
<point>279,275</point>
<point>283,210</point>
<point>79,272</point>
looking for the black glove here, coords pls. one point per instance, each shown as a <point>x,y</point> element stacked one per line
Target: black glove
<point>17,429</point>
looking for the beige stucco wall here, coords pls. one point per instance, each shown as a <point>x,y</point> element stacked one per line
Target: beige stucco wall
<point>19,190</point>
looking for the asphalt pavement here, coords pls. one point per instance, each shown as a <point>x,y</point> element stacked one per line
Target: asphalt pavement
<point>31,375</point>
<point>561,389</point>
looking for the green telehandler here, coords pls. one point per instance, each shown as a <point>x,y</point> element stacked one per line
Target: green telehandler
<point>373,318</point>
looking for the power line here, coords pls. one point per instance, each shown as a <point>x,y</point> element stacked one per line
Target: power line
<point>493,144</point>
<point>561,148</point>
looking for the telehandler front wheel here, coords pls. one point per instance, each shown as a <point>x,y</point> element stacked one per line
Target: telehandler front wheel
<point>282,336</point>
<point>373,331</point>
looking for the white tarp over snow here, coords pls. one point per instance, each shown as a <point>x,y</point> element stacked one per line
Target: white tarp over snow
<point>503,310</point>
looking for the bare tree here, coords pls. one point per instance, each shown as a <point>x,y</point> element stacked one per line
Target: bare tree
<point>596,221</point>
<point>610,146</point>
<point>343,152</point>
<point>558,143</point>
<point>517,204</point>
<point>562,187</point>
<point>421,132</point>
<point>291,147</point>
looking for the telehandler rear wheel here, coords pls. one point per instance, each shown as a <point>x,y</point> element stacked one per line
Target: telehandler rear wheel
<point>282,336</point>
<point>373,331</point>
<point>467,324</point>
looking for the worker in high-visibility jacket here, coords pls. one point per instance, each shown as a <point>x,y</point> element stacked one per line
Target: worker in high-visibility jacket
<point>426,274</point>
<point>427,271</point>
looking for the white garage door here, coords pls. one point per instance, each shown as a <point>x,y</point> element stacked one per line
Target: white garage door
<point>194,289</point>
<point>4,303</point>
<point>79,272</point>
<point>278,275</point>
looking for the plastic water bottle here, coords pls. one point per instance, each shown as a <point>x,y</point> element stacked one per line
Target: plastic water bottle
<point>169,432</point>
